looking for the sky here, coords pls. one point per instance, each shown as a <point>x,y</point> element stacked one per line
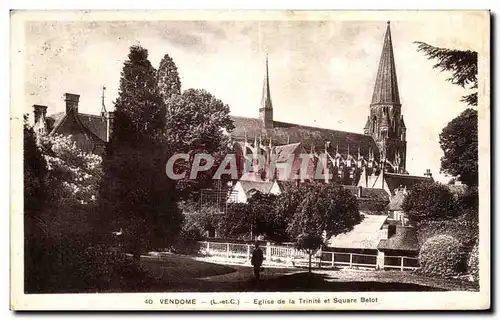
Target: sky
<point>322,71</point>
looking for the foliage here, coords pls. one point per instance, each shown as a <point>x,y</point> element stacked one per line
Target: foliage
<point>263,218</point>
<point>461,63</point>
<point>238,221</point>
<point>73,175</point>
<point>429,201</point>
<point>169,83</point>
<point>442,255</point>
<point>35,172</point>
<point>473,262</point>
<point>322,211</point>
<point>136,195</point>
<point>464,228</point>
<point>139,109</point>
<point>197,123</point>
<point>460,146</point>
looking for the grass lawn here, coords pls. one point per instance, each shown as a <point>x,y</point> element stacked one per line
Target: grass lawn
<point>177,273</point>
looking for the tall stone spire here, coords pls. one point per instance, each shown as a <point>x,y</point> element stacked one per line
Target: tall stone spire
<point>386,85</point>
<point>266,105</point>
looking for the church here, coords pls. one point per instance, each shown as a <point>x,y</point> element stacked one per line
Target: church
<point>374,158</point>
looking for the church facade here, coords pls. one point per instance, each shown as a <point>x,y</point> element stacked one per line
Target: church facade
<point>369,159</point>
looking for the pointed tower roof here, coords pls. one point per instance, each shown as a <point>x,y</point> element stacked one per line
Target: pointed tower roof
<point>402,122</point>
<point>266,92</point>
<point>367,125</point>
<point>386,85</point>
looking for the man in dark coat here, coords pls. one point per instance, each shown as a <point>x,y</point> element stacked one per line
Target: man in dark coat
<point>257,258</point>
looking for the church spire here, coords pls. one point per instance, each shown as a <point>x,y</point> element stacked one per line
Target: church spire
<point>103,106</point>
<point>386,84</point>
<point>266,105</point>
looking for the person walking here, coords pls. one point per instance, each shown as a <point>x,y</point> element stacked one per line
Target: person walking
<point>257,258</point>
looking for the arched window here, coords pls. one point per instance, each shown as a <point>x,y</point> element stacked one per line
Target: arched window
<point>374,124</point>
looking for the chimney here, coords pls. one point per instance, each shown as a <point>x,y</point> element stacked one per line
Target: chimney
<point>360,191</point>
<point>428,173</point>
<point>39,112</point>
<point>71,102</point>
<point>391,230</point>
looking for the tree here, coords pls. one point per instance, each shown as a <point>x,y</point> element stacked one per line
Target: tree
<point>458,141</point>
<point>461,63</point>
<point>429,201</point>
<point>325,210</point>
<point>197,123</point>
<point>169,83</point>
<point>139,109</point>
<point>35,198</point>
<point>135,194</point>
<point>263,221</point>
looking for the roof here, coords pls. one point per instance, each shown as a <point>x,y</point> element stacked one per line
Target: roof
<point>94,126</point>
<point>396,203</point>
<point>284,133</point>
<point>365,235</point>
<point>396,180</point>
<point>369,193</point>
<point>404,239</point>
<point>282,152</point>
<point>266,92</point>
<point>386,84</point>
<point>261,186</point>
<point>86,122</point>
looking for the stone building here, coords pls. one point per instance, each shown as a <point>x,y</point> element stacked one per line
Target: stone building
<point>371,159</point>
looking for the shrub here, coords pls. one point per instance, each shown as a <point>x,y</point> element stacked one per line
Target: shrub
<point>430,201</point>
<point>442,256</point>
<point>473,262</point>
<point>464,228</point>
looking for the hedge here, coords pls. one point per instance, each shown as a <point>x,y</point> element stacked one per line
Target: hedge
<point>442,255</point>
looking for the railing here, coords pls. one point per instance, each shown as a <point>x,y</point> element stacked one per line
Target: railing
<point>400,262</point>
<point>291,256</point>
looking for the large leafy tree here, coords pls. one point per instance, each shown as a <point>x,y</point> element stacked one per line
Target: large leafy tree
<point>459,143</point>
<point>197,122</point>
<point>461,63</point>
<point>430,201</point>
<point>325,210</point>
<point>169,83</point>
<point>135,194</point>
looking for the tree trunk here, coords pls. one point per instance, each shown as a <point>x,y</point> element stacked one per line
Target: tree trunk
<point>310,255</point>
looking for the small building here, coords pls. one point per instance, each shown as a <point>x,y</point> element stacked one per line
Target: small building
<point>395,207</point>
<point>244,189</point>
<point>400,250</point>
<point>370,200</point>
<point>90,132</point>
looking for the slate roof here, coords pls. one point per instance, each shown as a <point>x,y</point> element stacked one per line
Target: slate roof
<point>396,203</point>
<point>372,193</point>
<point>395,180</point>
<point>386,84</point>
<point>365,235</point>
<point>93,125</point>
<point>282,152</point>
<point>288,133</point>
<point>404,239</point>
<point>261,186</point>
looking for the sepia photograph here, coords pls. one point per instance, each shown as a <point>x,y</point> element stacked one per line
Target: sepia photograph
<point>250,160</point>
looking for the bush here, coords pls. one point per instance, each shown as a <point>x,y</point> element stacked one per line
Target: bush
<point>442,256</point>
<point>430,201</point>
<point>464,228</point>
<point>473,262</point>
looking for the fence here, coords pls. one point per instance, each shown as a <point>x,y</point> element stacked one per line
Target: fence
<point>290,256</point>
<point>400,262</point>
